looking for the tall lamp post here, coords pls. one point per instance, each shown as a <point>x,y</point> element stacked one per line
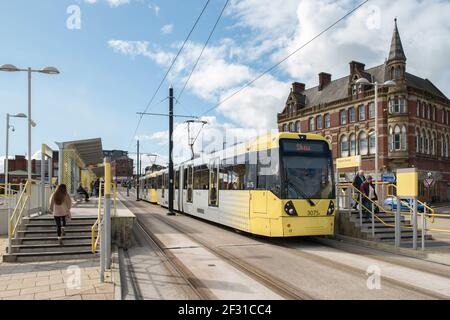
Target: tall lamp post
<point>376,85</point>
<point>7,191</point>
<point>46,70</point>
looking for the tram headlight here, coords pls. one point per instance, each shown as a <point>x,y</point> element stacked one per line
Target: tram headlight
<point>289,208</point>
<point>330,208</point>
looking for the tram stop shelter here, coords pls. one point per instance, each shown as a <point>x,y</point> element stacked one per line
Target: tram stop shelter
<point>80,161</point>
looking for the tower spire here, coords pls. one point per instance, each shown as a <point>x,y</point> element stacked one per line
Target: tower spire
<point>396,52</point>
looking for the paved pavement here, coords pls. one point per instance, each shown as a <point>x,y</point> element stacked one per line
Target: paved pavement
<point>62,279</point>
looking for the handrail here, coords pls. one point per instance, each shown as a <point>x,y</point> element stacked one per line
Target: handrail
<point>17,214</point>
<point>95,240</point>
<point>432,213</point>
<point>387,211</point>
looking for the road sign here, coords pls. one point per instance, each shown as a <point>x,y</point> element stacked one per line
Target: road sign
<point>348,162</point>
<point>429,182</point>
<point>388,178</point>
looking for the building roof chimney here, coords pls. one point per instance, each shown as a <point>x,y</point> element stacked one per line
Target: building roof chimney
<point>298,87</point>
<point>324,79</point>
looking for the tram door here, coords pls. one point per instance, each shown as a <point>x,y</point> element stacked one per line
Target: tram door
<point>180,183</point>
<point>190,184</point>
<point>213,194</point>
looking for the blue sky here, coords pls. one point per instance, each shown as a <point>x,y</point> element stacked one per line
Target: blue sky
<point>112,65</point>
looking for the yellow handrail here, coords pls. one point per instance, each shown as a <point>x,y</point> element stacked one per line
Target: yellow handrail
<point>349,185</point>
<point>431,213</point>
<point>94,240</point>
<point>18,210</point>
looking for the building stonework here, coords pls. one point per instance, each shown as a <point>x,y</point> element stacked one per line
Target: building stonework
<point>413,119</point>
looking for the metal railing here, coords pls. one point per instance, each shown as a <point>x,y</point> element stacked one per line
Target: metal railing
<point>21,206</point>
<point>95,234</point>
<point>374,216</point>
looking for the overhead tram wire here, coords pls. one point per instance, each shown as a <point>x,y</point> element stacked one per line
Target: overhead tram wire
<point>203,49</point>
<point>283,60</point>
<point>168,71</point>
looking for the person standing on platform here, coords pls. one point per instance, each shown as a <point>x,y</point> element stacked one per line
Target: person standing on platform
<point>369,196</point>
<point>357,182</point>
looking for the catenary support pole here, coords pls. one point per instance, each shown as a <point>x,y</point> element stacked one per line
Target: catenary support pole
<point>138,171</point>
<point>171,173</point>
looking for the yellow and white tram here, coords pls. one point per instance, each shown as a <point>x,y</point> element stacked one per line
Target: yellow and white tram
<point>278,185</point>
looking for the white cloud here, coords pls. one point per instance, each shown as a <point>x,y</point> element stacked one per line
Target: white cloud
<point>112,3</point>
<point>268,30</point>
<point>166,29</point>
<point>213,136</point>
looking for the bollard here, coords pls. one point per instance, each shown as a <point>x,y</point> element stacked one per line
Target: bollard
<point>373,220</point>
<point>107,218</point>
<point>360,210</point>
<point>102,252</point>
<point>398,230</point>
<point>424,227</point>
<point>415,223</point>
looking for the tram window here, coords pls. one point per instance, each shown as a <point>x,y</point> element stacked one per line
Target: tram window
<point>177,179</point>
<point>185,175</point>
<point>268,171</point>
<point>201,177</point>
<point>159,182</point>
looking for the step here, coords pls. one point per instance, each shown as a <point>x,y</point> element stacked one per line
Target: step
<point>50,219</point>
<point>52,226</point>
<point>43,233</point>
<point>50,247</point>
<point>47,256</point>
<point>50,240</point>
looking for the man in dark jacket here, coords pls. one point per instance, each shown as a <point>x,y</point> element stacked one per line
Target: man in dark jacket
<point>368,191</point>
<point>357,182</point>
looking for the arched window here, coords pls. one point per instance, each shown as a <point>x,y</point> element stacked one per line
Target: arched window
<point>422,142</point>
<point>372,147</point>
<point>297,126</point>
<point>311,124</point>
<point>344,146</point>
<point>446,146</point>
<point>396,139</point>
<point>442,144</point>
<point>404,138</point>
<point>418,108</point>
<point>427,143</point>
<point>319,122</point>
<point>398,72</point>
<point>363,143</point>
<point>417,142</point>
<point>285,127</point>
<point>423,109</point>
<point>390,139</point>
<point>433,143</point>
<point>327,121</point>
<point>291,127</point>
<point>353,144</point>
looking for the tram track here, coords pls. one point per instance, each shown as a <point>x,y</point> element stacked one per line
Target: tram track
<point>172,264</point>
<point>275,284</point>
<point>285,289</point>
<point>358,272</point>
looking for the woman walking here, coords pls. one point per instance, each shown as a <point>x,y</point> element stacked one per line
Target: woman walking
<point>60,204</point>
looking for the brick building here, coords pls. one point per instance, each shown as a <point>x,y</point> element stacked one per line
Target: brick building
<point>413,119</point>
<point>20,164</point>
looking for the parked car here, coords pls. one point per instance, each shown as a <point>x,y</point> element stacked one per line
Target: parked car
<point>390,203</point>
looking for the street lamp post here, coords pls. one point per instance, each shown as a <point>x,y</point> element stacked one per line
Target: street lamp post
<point>7,189</point>
<point>376,85</point>
<point>46,70</point>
